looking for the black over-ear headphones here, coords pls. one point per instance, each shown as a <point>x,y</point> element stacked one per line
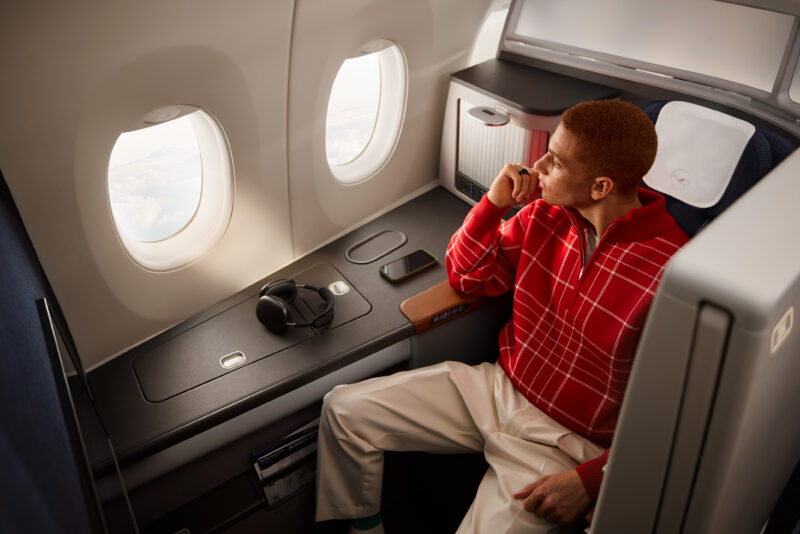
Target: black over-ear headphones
<point>272,308</point>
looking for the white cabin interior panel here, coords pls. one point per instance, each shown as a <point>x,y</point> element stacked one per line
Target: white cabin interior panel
<point>98,67</point>
<point>321,206</point>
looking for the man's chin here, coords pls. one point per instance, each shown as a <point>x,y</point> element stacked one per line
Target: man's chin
<point>554,202</point>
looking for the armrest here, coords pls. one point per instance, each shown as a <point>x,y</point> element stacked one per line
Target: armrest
<point>438,305</point>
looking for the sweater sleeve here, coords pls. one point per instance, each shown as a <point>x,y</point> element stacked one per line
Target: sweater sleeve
<point>483,254</point>
<point>591,473</point>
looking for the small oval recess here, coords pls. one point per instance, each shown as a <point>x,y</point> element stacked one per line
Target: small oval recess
<point>232,360</point>
<point>401,240</point>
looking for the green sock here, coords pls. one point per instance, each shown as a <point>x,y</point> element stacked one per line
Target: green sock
<point>366,523</point>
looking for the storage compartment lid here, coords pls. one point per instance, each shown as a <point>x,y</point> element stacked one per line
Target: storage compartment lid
<point>233,339</point>
<point>529,89</point>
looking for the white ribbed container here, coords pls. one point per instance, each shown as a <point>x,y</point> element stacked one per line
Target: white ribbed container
<point>483,150</point>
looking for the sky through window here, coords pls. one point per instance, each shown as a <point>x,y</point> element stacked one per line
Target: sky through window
<point>352,109</point>
<point>154,180</point>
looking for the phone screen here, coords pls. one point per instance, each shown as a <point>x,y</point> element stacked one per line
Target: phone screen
<point>407,265</point>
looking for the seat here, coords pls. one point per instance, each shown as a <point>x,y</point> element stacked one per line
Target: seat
<point>711,385</point>
<point>46,484</point>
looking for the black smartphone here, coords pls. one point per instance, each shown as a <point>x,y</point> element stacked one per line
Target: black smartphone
<point>407,266</point>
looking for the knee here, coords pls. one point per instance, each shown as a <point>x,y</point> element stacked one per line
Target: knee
<point>339,402</point>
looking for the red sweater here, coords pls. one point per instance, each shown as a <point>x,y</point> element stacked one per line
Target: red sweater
<point>570,343</point>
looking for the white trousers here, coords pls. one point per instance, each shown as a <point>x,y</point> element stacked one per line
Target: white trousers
<point>445,408</point>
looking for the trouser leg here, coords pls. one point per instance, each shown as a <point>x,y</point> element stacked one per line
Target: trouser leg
<point>494,509</point>
<point>442,408</point>
<point>528,446</point>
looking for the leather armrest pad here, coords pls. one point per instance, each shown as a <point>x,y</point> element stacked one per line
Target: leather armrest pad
<point>437,305</point>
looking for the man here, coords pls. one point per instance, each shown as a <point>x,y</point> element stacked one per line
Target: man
<point>584,261</point>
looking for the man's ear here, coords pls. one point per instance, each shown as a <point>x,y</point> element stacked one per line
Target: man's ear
<point>601,187</point>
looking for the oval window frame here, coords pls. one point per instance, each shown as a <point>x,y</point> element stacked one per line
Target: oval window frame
<point>389,121</point>
<point>213,214</point>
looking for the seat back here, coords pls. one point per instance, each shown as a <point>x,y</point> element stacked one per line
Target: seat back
<point>46,485</point>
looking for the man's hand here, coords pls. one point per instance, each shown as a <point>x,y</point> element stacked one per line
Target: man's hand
<point>559,498</point>
<point>511,188</point>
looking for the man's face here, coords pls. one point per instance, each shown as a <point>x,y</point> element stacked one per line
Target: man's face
<point>563,178</point>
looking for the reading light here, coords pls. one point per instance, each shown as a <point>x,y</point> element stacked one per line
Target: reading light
<point>339,287</point>
<point>490,116</point>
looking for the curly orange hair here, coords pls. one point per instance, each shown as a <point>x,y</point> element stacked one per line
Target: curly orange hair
<point>615,139</point>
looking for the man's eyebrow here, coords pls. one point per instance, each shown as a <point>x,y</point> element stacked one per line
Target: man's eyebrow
<point>554,154</point>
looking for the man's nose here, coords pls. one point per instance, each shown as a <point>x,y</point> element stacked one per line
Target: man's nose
<point>539,165</point>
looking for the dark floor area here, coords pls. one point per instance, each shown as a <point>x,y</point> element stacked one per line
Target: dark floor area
<point>422,494</point>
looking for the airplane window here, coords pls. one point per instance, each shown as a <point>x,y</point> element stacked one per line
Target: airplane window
<point>154,179</point>
<point>170,186</point>
<point>365,111</point>
<point>489,36</point>
<point>352,109</point>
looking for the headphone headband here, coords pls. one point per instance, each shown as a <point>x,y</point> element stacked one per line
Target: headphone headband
<point>326,315</point>
<point>272,308</point>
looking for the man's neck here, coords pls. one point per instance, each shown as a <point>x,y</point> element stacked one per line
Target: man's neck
<point>600,214</point>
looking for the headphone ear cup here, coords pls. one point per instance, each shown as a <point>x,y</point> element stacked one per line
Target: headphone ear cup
<point>273,312</point>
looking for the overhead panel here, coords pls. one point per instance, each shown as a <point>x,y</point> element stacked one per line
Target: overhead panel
<point>728,42</point>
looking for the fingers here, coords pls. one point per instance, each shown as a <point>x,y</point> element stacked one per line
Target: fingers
<point>524,492</point>
<point>520,182</point>
<point>532,499</point>
<point>512,187</point>
<point>525,182</point>
<point>554,498</point>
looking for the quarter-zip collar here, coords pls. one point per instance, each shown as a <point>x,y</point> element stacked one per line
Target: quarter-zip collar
<point>638,224</point>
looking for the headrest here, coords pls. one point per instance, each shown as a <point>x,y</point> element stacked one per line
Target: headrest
<point>706,160</point>
<point>698,150</point>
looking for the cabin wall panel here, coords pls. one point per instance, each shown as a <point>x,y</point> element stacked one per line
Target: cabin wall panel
<point>435,36</point>
<point>76,76</point>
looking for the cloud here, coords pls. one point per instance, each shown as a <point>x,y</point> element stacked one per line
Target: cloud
<point>344,140</point>
<point>137,213</point>
<point>352,109</point>
<point>154,197</point>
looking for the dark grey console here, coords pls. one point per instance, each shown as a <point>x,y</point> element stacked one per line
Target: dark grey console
<point>173,386</point>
